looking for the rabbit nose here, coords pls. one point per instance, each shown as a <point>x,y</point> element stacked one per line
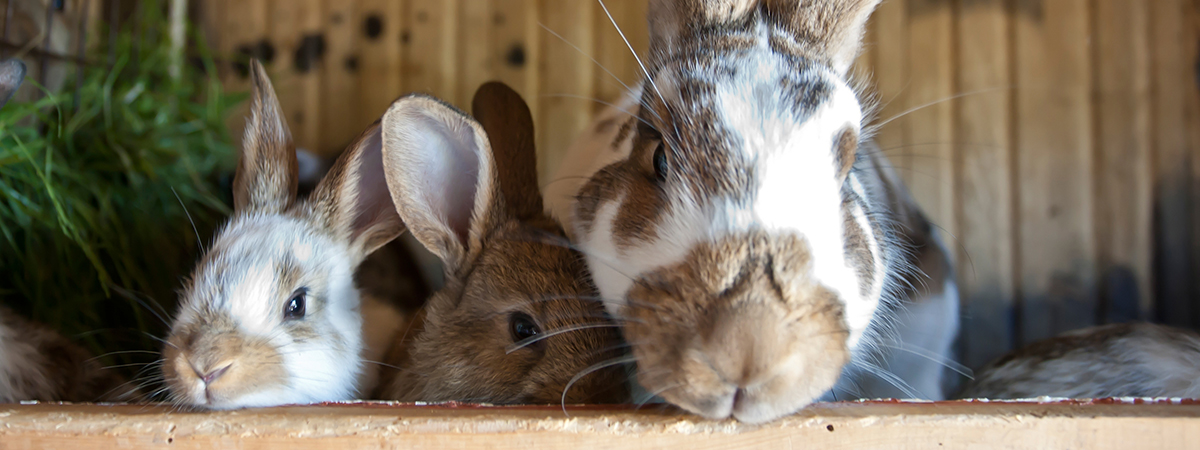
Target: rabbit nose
<point>213,375</point>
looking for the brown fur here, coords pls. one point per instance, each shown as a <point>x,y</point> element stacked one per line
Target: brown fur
<point>745,303</point>
<point>512,259</point>
<point>54,369</point>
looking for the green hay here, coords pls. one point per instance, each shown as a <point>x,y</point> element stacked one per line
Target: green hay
<point>95,235</point>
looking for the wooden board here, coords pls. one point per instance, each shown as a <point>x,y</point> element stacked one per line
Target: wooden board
<point>1172,171</point>
<point>985,174</point>
<point>296,70</point>
<point>858,426</point>
<point>514,47</point>
<point>1123,199</point>
<point>1054,152</point>
<point>380,57</point>
<point>430,61</point>
<point>568,79</point>
<point>891,75</point>
<point>930,151</point>
<point>339,78</point>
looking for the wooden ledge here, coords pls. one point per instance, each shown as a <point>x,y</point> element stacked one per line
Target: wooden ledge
<point>1102,424</point>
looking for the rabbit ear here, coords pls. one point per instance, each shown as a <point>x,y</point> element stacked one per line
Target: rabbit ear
<point>506,120</point>
<point>267,174</point>
<point>671,19</point>
<point>353,198</point>
<point>831,28</point>
<point>442,177</point>
<point>12,73</point>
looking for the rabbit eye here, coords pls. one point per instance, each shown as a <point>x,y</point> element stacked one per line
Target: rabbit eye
<point>295,305</point>
<point>660,162</point>
<point>522,327</point>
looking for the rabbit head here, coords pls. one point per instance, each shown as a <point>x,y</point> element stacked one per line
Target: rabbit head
<point>730,232</point>
<point>518,320</point>
<point>271,314</point>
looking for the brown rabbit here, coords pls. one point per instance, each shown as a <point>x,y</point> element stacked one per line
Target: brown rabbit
<point>518,320</point>
<point>38,363</point>
<point>1123,360</point>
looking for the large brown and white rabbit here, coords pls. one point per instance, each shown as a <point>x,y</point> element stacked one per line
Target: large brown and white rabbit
<point>36,362</point>
<point>517,320</point>
<point>271,314</point>
<point>734,215</point>
<point>1122,360</point>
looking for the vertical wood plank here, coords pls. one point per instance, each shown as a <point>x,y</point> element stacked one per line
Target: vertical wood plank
<point>295,33</point>
<point>612,53</point>
<point>983,140</point>
<point>380,56</point>
<point>567,80</point>
<point>1054,153</point>
<point>243,29</point>
<point>1191,93</point>
<point>514,44</point>
<point>1172,170</point>
<point>1123,202</point>
<point>891,81</point>
<point>475,59</point>
<point>930,151</point>
<point>340,90</point>
<point>429,37</point>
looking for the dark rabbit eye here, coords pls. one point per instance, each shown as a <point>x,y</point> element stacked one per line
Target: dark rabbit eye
<point>660,162</point>
<point>295,305</point>
<point>522,327</point>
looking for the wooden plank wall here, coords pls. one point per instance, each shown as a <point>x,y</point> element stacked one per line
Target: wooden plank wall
<point>1053,141</point>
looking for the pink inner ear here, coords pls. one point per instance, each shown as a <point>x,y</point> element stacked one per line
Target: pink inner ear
<point>374,201</point>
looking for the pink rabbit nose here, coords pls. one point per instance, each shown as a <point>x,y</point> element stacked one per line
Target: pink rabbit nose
<point>213,375</point>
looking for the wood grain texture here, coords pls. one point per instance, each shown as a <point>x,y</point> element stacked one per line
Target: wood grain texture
<point>244,27</point>
<point>380,57</point>
<point>568,79</point>
<point>1054,152</point>
<point>1123,202</point>
<point>985,215</point>
<point>514,43</point>
<point>340,89</point>
<point>475,58</point>
<point>296,70</point>
<point>892,78</point>
<point>374,425</point>
<point>930,151</point>
<point>611,51</point>
<point>430,40</point>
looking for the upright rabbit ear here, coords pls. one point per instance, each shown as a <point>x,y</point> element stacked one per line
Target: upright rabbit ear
<point>12,73</point>
<point>353,198</point>
<point>442,177</point>
<point>267,174</point>
<point>506,120</point>
<point>832,29</point>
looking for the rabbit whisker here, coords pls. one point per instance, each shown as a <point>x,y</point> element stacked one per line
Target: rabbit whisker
<point>548,334</point>
<point>590,369</point>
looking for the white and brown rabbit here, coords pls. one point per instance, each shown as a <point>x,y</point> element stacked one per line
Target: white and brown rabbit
<point>733,215</point>
<point>1121,360</point>
<point>271,314</point>
<point>518,320</point>
<point>36,362</point>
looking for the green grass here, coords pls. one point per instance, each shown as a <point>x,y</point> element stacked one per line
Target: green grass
<point>95,235</point>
